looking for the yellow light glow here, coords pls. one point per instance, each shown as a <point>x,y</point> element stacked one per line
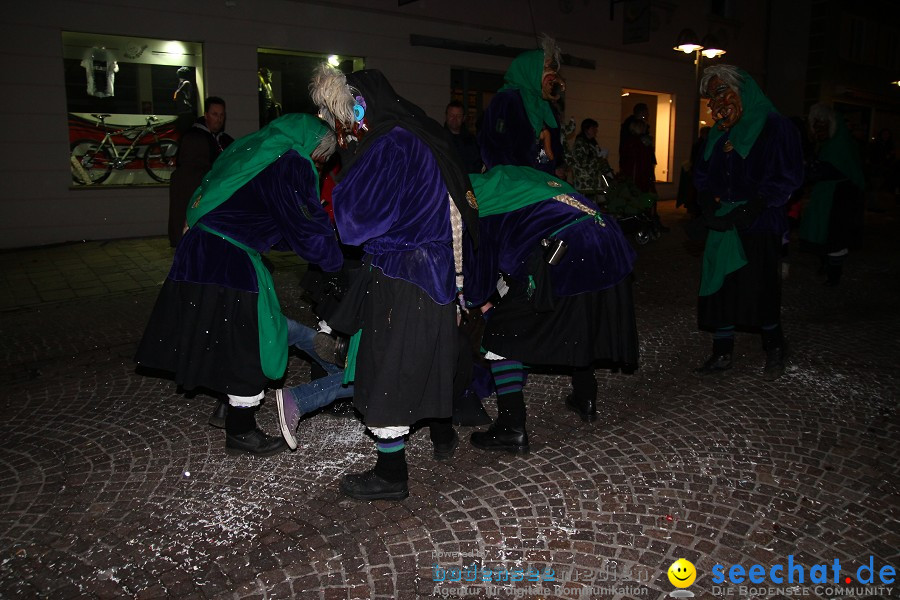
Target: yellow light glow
<point>688,48</point>
<point>174,48</point>
<point>334,60</point>
<point>712,52</point>
<point>626,94</point>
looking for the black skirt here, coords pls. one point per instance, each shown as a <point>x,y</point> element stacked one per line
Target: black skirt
<point>578,331</point>
<point>407,351</point>
<point>207,336</point>
<point>751,296</point>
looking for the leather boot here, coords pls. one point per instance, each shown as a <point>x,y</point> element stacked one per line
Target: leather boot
<point>217,418</point>
<point>583,399</point>
<point>387,480</point>
<point>468,410</point>
<point>586,408</point>
<point>720,360</point>
<point>502,437</point>
<point>243,436</point>
<point>508,431</point>
<point>444,438</point>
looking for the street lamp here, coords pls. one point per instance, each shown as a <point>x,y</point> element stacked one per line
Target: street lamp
<point>690,43</point>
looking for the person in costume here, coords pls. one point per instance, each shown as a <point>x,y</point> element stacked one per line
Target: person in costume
<point>751,164</point>
<point>569,302</point>
<point>832,221</point>
<point>217,323</point>
<point>401,194</point>
<point>520,126</point>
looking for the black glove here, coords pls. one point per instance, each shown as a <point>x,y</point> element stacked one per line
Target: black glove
<point>746,214</point>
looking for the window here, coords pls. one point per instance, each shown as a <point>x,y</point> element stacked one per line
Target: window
<point>127,99</point>
<point>283,80</point>
<point>475,90</point>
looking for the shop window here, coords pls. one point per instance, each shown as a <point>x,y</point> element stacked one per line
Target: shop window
<point>128,99</point>
<point>474,89</point>
<point>283,80</point>
<point>660,121</point>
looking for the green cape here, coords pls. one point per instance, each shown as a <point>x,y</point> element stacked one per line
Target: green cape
<point>508,187</point>
<point>247,157</point>
<point>240,163</point>
<point>756,108</point>
<point>526,74</point>
<point>840,151</point>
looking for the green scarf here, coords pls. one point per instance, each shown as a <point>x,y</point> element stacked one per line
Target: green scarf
<point>723,254</point>
<point>840,151</point>
<point>240,163</point>
<point>756,108</point>
<point>506,188</point>
<point>526,74</point>
<point>245,158</point>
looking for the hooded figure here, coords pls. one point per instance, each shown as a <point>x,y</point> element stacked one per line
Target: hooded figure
<point>832,221</point>
<point>217,323</point>
<point>566,268</point>
<point>402,195</point>
<point>520,126</point>
<point>750,166</point>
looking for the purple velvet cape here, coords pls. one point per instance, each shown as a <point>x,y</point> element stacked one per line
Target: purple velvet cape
<point>277,208</point>
<point>393,202</point>
<point>507,137</point>
<point>773,170</point>
<point>597,257</point>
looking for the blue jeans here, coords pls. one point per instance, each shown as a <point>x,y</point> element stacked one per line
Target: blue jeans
<point>319,392</point>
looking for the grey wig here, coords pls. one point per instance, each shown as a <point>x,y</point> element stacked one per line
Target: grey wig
<point>552,52</point>
<point>330,91</point>
<point>822,112</point>
<point>729,74</point>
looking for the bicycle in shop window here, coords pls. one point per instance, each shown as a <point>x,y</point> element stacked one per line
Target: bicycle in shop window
<point>93,161</point>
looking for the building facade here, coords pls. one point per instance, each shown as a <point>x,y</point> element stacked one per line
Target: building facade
<point>430,50</point>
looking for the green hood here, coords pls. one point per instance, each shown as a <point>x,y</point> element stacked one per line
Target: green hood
<point>525,74</point>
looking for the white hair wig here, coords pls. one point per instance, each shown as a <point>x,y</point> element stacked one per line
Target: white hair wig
<point>729,74</point>
<point>822,112</point>
<point>552,53</point>
<point>330,91</point>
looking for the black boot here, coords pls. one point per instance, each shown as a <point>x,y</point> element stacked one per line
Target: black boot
<point>508,431</point>
<point>444,438</point>
<point>331,348</point>
<point>468,410</point>
<point>720,361</point>
<point>583,399</point>
<point>833,272</point>
<point>776,354</point>
<point>387,480</point>
<point>243,436</point>
<point>217,418</point>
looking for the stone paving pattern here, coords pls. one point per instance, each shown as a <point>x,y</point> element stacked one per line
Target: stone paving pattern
<point>113,485</point>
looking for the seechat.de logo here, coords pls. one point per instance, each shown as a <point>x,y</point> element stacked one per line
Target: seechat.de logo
<point>682,574</point>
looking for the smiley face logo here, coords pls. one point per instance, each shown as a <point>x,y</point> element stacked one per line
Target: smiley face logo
<point>682,573</point>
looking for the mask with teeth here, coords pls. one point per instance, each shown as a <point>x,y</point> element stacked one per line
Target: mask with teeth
<point>724,104</point>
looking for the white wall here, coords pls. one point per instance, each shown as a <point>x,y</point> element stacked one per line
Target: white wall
<point>37,205</point>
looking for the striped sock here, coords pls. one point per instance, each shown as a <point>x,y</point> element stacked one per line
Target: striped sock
<point>508,376</point>
<point>391,463</point>
<point>389,446</point>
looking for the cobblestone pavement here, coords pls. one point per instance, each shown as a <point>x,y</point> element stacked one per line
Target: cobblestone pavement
<point>113,485</point>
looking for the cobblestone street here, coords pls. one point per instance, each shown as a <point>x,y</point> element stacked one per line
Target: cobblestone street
<point>113,485</point>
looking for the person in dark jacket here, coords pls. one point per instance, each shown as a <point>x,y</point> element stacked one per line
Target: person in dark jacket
<point>197,149</point>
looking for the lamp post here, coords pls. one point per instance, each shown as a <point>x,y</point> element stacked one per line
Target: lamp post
<point>690,43</point>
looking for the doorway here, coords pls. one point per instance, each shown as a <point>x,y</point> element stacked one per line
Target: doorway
<point>659,115</point>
